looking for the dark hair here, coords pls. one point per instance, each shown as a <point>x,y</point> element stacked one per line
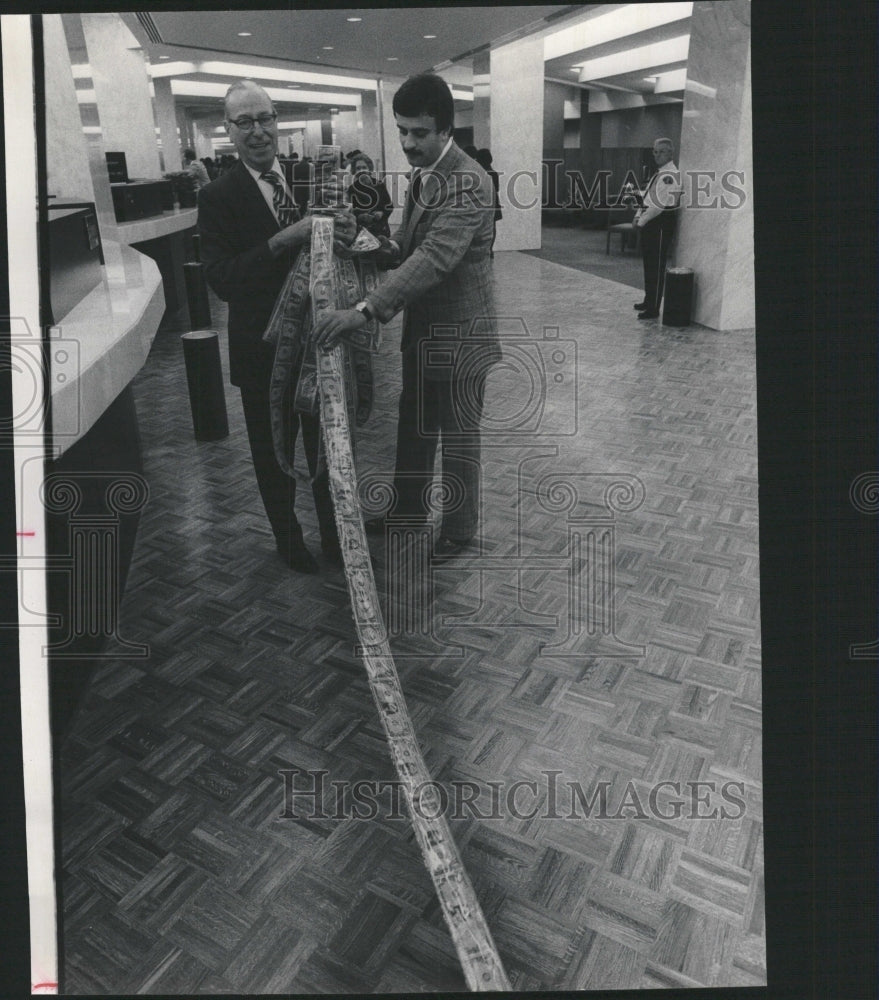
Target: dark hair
<point>426,94</point>
<point>188,154</point>
<point>470,151</point>
<point>483,158</point>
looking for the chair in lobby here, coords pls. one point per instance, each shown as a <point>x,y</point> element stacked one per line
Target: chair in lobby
<point>619,220</point>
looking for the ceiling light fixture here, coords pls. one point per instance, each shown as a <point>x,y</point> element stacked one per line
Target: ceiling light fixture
<point>393,59</point>
<point>428,36</point>
<point>353,18</point>
<point>244,34</point>
<point>327,48</point>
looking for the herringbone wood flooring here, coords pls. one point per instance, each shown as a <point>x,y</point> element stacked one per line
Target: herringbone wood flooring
<point>179,874</point>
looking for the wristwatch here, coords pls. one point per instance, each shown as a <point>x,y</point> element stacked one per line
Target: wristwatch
<point>363,308</point>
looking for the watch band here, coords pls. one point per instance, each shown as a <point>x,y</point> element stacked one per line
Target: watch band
<point>363,307</point>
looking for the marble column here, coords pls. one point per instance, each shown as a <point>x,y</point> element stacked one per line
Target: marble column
<point>86,120</point>
<point>517,140</point>
<point>482,100</point>
<point>203,134</point>
<point>166,119</point>
<point>122,91</point>
<point>347,133</point>
<point>370,133</point>
<point>67,164</point>
<point>396,164</point>
<point>716,233</point>
<point>313,137</point>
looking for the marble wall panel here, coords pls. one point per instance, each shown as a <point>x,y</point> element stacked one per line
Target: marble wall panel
<point>715,236</point>
<point>517,140</point>
<point>122,92</point>
<point>67,164</point>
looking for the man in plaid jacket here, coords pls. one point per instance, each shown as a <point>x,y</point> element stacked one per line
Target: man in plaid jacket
<point>443,283</point>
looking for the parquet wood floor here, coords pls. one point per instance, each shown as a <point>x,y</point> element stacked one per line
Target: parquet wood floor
<point>640,690</point>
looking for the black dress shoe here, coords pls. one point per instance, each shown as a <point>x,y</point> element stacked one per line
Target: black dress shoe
<point>296,556</point>
<point>640,305</point>
<point>448,548</point>
<point>648,314</point>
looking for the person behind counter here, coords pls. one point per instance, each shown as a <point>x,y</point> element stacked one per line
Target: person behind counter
<point>195,169</point>
<point>370,201</point>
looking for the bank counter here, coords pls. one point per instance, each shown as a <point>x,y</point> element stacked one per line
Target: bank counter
<point>94,489</point>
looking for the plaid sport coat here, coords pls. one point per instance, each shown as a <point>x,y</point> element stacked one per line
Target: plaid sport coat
<point>444,281</point>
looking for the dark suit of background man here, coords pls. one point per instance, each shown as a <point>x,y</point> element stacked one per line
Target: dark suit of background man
<point>657,221</point>
<point>443,283</point>
<point>248,248</point>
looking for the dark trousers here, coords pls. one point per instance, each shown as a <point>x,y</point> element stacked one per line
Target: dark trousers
<point>278,490</point>
<point>432,412</point>
<point>656,239</point>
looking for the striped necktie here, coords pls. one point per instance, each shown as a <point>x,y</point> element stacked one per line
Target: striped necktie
<point>284,207</point>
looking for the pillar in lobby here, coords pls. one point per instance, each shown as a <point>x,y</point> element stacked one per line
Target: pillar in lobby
<point>396,165</point>
<point>166,120</point>
<point>122,92</point>
<point>184,127</point>
<point>517,140</point>
<point>716,233</point>
<point>67,163</point>
<point>203,134</point>
<point>84,114</point>
<point>370,136</point>
<point>347,133</point>
<point>313,137</point>
<point>482,100</point>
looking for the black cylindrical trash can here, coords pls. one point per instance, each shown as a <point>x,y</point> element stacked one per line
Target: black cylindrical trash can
<point>201,351</point>
<point>197,295</point>
<point>680,287</point>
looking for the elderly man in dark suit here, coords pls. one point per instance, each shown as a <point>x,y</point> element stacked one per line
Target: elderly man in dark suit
<point>250,234</point>
<point>450,339</point>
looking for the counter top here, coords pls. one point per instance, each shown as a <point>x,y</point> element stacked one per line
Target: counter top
<point>103,342</point>
<point>155,226</point>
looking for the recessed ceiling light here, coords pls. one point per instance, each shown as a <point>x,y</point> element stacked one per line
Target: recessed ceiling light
<point>244,34</point>
<point>393,59</point>
<point>327,48</point>
<point>353,18</point>
<point>164,57</point>
<point>429,36</point>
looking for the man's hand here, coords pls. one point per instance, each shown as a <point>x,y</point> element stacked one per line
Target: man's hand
<point>335,324</point>
<point>292,237</point>
<point>344,228</point>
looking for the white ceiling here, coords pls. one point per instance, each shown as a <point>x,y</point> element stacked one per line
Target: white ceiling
<point>298,36</point>
<point>625,48</point>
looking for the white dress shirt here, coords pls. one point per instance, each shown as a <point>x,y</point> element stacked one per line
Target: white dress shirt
<point>268,192</point>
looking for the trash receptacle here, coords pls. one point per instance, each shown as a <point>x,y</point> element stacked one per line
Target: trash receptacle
<point>201,352</point>
<point>680,286</point>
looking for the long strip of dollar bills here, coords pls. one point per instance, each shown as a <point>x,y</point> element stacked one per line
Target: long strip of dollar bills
<point>476,949</point>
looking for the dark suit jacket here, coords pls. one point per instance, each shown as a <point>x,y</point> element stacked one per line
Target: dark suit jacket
<point>444,282</point>
<point>235,224</point>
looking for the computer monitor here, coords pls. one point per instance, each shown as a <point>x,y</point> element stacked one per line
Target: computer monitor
<point>117,168</point>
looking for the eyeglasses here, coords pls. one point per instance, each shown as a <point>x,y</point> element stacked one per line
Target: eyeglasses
<point>246,123</point>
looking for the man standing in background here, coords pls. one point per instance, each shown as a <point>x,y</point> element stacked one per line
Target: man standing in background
<point>657,220</point>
